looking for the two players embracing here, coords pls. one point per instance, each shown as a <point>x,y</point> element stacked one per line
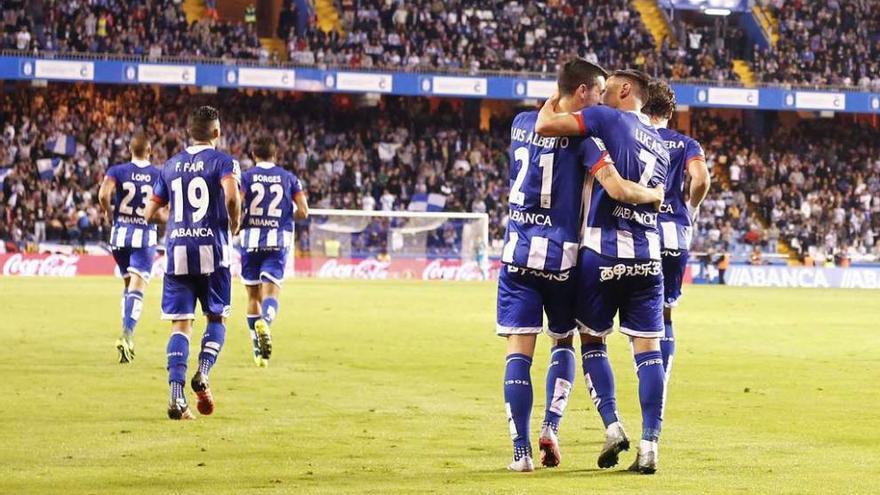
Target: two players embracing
<point>583,243</point>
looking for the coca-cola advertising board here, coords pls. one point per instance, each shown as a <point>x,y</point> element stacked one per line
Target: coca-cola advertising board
<point>71,265</point>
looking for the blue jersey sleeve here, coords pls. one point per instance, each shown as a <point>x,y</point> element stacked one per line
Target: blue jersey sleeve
<point>111,174</point>
<point>595,155</point>
<point>592,120</point>
<point>160,189</point>
<point>230,168</point>
<point>693,150</point>
<point>295,185</point>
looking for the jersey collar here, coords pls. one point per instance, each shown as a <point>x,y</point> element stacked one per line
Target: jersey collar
<point>192,150</point>
<point>265,165</point>
<point>644,118</point>
<point>141,163</point>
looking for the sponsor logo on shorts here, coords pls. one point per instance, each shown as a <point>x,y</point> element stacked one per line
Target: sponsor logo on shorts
<point>675,253</point>
<point>620,270</point>
<point>555,277</point>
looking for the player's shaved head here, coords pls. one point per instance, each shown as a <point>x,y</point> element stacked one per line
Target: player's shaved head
<point>263,148</point>
<point>203,121</point>
<point>661,100</point>
<point>578,72</point>
<point>627,90</point>
<point>639,80</point>
<point>140,145</point>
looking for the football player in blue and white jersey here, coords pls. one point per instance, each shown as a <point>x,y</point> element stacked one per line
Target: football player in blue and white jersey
<point>540,250</point>
<point>269,195</point>
<point>678,213</point>
<point>129,186</point>
<point>200,186</point>
<point>619,267</point>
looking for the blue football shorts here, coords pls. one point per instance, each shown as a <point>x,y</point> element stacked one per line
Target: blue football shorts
<point>526,295</point>
<point>608,286</point>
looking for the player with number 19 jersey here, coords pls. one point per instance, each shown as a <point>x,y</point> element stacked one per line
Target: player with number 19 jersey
<point>132,239</point>
<point>541,242</point>
<point>198,238</point>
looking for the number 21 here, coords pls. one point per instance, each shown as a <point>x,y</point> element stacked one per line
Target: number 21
<point>545,162</point>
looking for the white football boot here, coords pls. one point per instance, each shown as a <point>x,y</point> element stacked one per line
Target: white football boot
<point>616,442</point>
<point>523,465</point>
<point>646,459</point>
<point>549,445</point>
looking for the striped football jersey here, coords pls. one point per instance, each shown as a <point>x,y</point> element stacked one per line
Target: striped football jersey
<point>611,228</point>
<point>676,227</point>
<point>134,186</point>
<point>546,182</point>
<point>197,240</point>
<point>268,207</point>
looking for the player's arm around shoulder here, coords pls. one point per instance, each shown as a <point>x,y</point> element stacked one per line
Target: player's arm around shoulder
<point>552,123</point>
<point>622,190</point>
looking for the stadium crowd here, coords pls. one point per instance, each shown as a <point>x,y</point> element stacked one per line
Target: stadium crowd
<point>824,43</point>
<point>815,189</point>
<point>504,36</point>
<point>818,188</point>
<point>349,158</point>
<point>820,43</point>
<point>147,28</point>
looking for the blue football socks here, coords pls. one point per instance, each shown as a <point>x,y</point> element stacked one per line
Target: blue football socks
<point>560,376</point>
<point>518,402</point>
<point>649,366</point>
<point>212,342</point>
<point>600,380</point>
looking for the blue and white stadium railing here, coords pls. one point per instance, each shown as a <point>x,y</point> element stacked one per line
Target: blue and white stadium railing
<point>217,73</point>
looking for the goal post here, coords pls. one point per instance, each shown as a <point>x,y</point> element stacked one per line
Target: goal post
<point>393,244</point>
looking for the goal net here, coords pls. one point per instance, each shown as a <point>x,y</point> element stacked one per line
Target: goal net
<point>393,244</point>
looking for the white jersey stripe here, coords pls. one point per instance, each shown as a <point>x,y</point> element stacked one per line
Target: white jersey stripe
<point>688,234</point>
<point>288,238</point>
<point>137,238</point>
<point>120,236</point>
<point>537,253</point>
<point>593,239</point>
<point>113,236</point>
<point>670,235</point>
<point>153,241</point>
<point>272,238</point>
<point>653,245</point>
<point>181,262</point>
<point>253,239</point>
<point>206,259</point>
<point>507,253</point>
<point>625,246</point>
<point>569,255</point>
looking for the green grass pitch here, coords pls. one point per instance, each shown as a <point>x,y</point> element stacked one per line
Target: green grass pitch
<point>395,387</point>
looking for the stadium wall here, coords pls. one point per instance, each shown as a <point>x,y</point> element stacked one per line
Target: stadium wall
<point>403,83</point>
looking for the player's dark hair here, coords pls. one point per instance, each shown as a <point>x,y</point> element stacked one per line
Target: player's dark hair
<point>576,72</point>
<point>641,80</point>
<point>139,144</point>
<point>661,100</point>
<point>201,123</point>
<point>263,148</point>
